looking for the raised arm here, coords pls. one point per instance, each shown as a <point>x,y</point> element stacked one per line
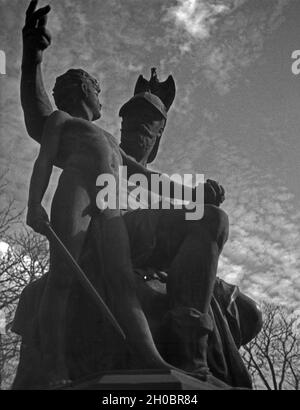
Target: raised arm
<point>34,99</point>
<point>42,170</point>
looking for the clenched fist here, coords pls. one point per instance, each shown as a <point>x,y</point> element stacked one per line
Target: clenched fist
<point>37,218</point>
<point>214,193</point>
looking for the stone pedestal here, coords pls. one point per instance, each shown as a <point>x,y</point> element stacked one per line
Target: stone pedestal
<point>144,380</point>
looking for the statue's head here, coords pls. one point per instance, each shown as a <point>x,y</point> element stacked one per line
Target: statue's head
<point>144,117</point>
<point>75,88</point>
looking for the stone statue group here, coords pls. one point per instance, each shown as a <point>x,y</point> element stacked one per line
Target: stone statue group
<point>155,270</point>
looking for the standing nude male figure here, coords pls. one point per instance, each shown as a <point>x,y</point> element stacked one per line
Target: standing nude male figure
<point>200,242</point>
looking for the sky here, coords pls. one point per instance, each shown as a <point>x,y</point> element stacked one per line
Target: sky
<point>235,117</point>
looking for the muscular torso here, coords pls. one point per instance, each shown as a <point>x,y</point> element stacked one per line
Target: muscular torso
<point>84,152</point>
<point>88,148</point>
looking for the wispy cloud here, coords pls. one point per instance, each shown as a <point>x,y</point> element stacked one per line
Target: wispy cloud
<point>223,37</point>
<point>197,16</point>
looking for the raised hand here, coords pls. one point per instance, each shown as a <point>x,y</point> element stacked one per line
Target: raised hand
<point>36,37</point>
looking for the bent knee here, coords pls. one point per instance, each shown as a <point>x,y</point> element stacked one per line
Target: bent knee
<point>251,318</point>
<point>217,222</point>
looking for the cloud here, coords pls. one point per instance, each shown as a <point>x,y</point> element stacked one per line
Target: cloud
<point>222,38</point>
<point>197,16</point>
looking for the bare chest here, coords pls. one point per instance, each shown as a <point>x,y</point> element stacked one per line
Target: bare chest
<point>87,142</point>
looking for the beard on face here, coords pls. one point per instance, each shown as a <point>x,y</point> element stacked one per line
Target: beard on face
<point>137,143</point>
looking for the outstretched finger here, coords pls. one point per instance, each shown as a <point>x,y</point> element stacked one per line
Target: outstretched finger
<point>30,11</point>
<point>31,8</point>
<point>33,19</point>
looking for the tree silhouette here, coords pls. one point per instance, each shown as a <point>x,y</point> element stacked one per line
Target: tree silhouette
<point>273,357</point>
<point>25,260</point>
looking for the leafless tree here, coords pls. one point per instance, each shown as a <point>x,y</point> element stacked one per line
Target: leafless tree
<point>25,260</point>
<point>273,357</point>
<point>8,213</point>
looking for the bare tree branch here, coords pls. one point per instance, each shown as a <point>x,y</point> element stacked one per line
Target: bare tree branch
<point>26,260</point>
<point>273,356</point>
